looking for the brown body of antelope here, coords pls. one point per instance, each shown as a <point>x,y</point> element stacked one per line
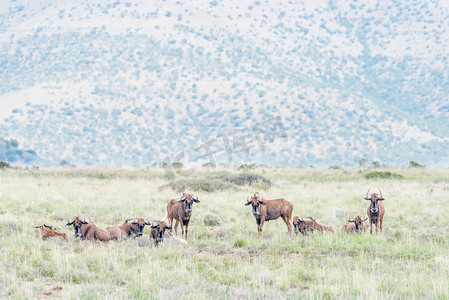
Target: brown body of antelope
<point>181,210</point>
<point>131,227</point>
<point>308,224</point>
<point>89,231</point>
<point>48,232</point>
<point>267,210</point>
<point>376,210</point>
<point>358,224</point>
<point>158,233</point>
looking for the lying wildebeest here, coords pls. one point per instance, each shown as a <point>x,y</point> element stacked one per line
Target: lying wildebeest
<point>358,224</point>
<point>158,232</point>
<point>132,227</point>
<point>48,232</point>
<point>181,209</point>
<point>308,224</point>
<point>89,231</point>
<point>376,210</point>
<point>267,210</point>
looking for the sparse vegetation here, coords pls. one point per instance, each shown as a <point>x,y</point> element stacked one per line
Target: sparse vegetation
<point>4,165</point>
<point>414,164</point>
<point>383,175</point>
<point>205,185</point>
<point>223,257</point>
<point>246,179</point>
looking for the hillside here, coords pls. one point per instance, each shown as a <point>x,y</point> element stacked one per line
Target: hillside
<point>111,83</point>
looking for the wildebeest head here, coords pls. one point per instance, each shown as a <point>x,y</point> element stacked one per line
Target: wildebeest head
<point>299,224</point>
<point>374,198</point>
<point>137,225</point>
<point>160,227</point>
<point>255,202</point>
<point>45,226</point>
<point>189,199</point>
<point>77,222</point>
<point>358,220</point>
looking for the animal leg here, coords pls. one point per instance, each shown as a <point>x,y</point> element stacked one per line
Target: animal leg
<point>182,230</point>
<point>176,227</point>
<point>381,220</point>
<point>187,227</point>
<point>287,221</point>
<point>260,227</point>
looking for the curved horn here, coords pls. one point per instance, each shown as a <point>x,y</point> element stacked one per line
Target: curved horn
<point>381,198</point>
<point>349,219</point>
<point>366,197</point>
<point>261,198</point>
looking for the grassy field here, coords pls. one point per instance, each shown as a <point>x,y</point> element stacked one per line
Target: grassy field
<point>223,257</point>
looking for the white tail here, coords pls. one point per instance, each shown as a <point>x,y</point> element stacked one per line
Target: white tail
<point>165,219</point>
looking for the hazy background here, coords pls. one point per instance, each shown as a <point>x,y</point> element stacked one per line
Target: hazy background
<point>117,83</point>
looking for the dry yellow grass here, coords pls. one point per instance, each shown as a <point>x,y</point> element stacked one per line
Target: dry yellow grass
<point>409,259</point>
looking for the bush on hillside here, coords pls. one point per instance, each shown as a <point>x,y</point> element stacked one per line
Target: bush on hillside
<point>383,175</point>
<point>246,179</point>
<point>4,165</point>
<point>206,185</point>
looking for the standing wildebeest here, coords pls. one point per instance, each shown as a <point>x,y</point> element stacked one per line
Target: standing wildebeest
<point>376,210</point>
<point>357,226</point>
<point>158,232</point>
<point>181,209</point>
<point>132,226</point>
<point>308,224</point>
<point>48,232</point>
<point>267,210</point>
<point>89,231</point>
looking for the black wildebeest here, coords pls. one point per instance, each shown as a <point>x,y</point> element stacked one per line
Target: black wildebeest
<point>132,227</point>
<point>267,210</point>
<point>158,233</point>
<point>48,232</point>
<point>376,210</point>
<point>181,210</point>
<point>89,231</point>
<point>358,224</point>
<point>308,224</point>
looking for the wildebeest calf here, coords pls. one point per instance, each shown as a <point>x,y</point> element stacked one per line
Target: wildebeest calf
<point>132,227</point>
<point>358,224</point>
<point>158,233</point>
<point>89,231</point>
<point>48,232</point>
<point>308,224</point>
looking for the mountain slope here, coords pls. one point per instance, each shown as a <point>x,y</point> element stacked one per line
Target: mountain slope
<point>118,83</point>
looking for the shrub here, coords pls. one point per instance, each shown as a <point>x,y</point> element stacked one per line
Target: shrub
<point>414,164</point>
<point>4,165</point>
<point>211,220</point>
<point>240,242</point>
<point>177,165</point>
<point>376,165</point>
<point>206,185</point>
<point>246,179</point>
<point>382,174</point>
<point>335,167</point>
<point>246,167</point>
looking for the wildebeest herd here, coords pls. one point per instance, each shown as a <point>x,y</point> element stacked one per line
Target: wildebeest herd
<point>181,209</point>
